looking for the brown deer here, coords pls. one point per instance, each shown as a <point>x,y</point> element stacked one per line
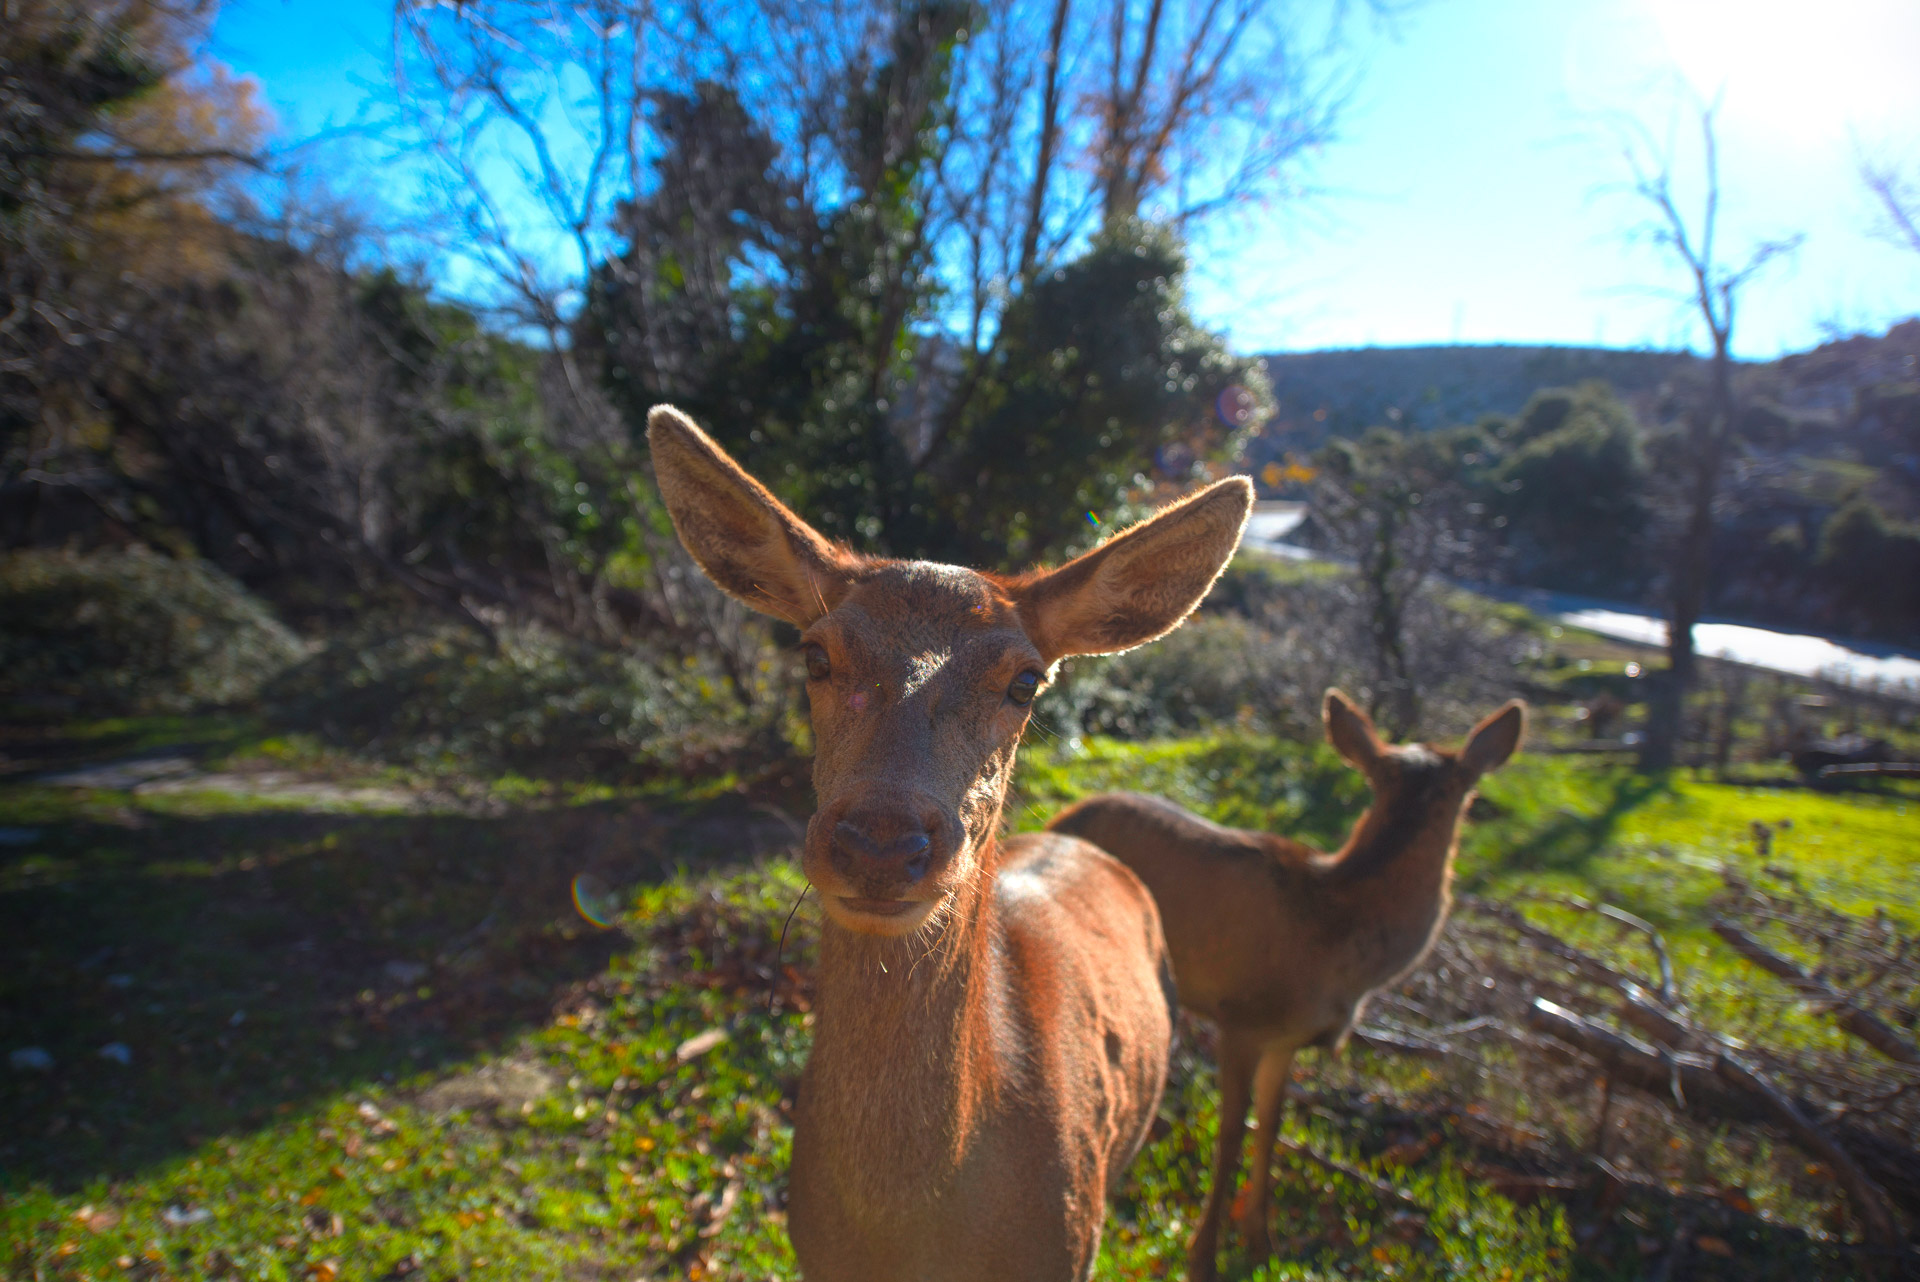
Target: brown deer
<point>1280,944</point>
<point>994,1017</point>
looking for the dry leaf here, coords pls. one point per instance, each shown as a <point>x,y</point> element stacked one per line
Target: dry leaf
<point>699,1044</point>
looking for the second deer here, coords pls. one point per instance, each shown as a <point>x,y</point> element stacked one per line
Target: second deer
<point>1281,944</point>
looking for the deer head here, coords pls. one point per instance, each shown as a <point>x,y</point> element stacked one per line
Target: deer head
<point>1418,771</point>
<point>921,677</point>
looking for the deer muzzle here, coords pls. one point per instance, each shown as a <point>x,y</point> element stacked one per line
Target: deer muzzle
<point>879,868</point>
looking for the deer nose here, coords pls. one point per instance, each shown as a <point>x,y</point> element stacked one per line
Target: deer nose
<point>907,843</point>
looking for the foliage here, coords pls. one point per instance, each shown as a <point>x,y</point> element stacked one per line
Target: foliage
<point>1573,481</point>
<point>1872,565</point>
<point>133,631</point>
<point>1101,376</point>
<point>116,142</point>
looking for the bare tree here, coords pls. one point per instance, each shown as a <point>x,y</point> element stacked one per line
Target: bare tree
<point>1690,239</point>
<point>1895,189</point>
<point>1200,105</point>
<point>1393,503</point>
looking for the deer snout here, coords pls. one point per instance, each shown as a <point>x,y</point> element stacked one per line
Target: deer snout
<point>898,843</point>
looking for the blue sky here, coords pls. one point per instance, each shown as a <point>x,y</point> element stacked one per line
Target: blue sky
<point>1466,199</point>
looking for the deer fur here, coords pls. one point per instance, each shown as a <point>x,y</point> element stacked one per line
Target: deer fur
<point>994,1017</point>
<point>1280,944</point>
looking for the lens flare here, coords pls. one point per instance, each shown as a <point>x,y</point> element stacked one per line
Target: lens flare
<point>1235,406</point>
<point>596,901</point>
<point>1093,520</point>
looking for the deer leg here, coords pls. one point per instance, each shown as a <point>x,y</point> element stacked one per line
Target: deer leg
<point>1269,1102</point>
<point>1237,1059</point>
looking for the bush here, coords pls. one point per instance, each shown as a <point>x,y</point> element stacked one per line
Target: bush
<point>1872,567</point>
<point>114,633</point>
<point>538,702</point>
<point>1213,670</point>
<point>1266,647</point>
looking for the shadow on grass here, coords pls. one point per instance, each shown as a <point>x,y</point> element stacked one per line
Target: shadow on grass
<point>244,965</point>
<point>1568,839</point>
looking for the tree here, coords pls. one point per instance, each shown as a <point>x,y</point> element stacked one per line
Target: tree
<point>1101,375</point>
<point>119,144</point>
<point>1715,280</point>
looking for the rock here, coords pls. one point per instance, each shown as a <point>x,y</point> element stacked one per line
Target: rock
<point>404,972</point>
<point>31,1059</point>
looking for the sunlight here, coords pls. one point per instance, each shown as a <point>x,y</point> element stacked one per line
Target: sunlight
<point>1807,68</point>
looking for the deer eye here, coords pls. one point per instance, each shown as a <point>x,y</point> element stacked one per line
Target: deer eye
<point>818,668</point>
<point>1024,687</point>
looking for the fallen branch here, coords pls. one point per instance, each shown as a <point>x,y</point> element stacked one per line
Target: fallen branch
<point>1719,1088</point>
<point>1899,768</point>
<point>1863,1024</point>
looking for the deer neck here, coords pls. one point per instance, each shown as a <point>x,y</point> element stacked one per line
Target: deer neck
<point>1403,851</point>
<point>904,1065</point>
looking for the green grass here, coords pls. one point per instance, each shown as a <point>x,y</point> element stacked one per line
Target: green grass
<point>278,1118</point>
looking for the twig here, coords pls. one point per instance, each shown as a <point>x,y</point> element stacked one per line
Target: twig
<point>1589,966</point>
<point>1398,1042</point>
<point>1374,1182</point>
<point>1621,916</point>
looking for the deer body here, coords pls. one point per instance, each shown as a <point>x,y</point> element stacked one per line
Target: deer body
<point>1281,944</point>
<point>993,1019</point>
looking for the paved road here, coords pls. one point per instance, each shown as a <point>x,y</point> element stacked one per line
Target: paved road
<point>1861,662</point>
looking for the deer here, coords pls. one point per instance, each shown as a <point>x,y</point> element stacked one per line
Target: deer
<point>993,1017</point>
<point>1281,945</point>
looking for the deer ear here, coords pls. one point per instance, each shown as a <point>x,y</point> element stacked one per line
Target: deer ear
<point>1141,583</point>
<point>745,539</point>
<point>1350,731</point>
<point>1495,738</point>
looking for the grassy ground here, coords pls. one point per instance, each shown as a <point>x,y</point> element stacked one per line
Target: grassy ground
<point>364,1030</point>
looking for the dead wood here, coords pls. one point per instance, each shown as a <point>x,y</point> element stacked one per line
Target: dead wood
<point>1717,1088</point>
<point>1863,1024</point>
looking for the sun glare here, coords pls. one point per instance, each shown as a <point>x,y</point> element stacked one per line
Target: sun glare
<point>1808,66</point>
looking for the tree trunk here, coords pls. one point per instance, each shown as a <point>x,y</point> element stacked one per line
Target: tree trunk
<point>1667,701</point>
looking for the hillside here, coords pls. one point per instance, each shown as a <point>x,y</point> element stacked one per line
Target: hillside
<point>1320,393</point>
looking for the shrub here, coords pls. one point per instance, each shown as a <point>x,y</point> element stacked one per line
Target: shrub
<point>1872,566</point>
<point>1214,669</point>
<point>537,702</point>
<point>112,633</point>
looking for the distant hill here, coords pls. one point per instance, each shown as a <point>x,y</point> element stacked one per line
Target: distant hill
<point>1323,393</point>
